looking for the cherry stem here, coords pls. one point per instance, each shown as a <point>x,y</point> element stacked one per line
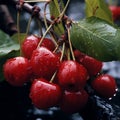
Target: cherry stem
<point>18,28</point>
<point>40,27</point>
<point>70,44</point>
<point>46,25</point>
<point>28,26</point>
<point>44,35</point>
<point>68,54</point>
<point>63,50</point>
<point>52,79</point>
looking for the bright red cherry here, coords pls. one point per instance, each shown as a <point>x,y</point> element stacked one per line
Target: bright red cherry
<point>105,85</point>
<point>31,42</point>
<point>72,75</point>
<point>73,102</point>
<point>17,71</point>
<point>115,12</point>
<point>44,94</point>
<point>92,65</point>
<point>44,63</point>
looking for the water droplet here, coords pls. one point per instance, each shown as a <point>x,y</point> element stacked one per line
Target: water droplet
<point>110,98</point>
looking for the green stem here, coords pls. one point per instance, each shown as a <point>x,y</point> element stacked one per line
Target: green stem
<point>28,26</point>
<point>44,35</point>
<point>18,28</point>
<point>40,27</point>
<point>70,44</point>
<point>63,51</point>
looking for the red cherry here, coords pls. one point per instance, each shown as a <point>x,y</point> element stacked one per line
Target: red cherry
<point>17,71</point>
<point>44,63</point>
<point>105,85</point>
<point>48,43</point>
<point>92,65</point>
<point>115,12</point>
<point>72,75</point>
<point>31,42</point>
<point>44,94</point>
<point>73,101</point>
<point>78,55</point>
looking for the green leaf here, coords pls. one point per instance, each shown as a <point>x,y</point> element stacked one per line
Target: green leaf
<point>97,38</point>
<point>7,45</point>
<point>55,10</point>
<point>98,8</point>
<point>8,48</point>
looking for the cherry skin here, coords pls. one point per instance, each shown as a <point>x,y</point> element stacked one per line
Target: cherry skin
<point>44,63</point>
<point>72,75</point>
<point>17,71</point>
<point>31,42</point>
<point>92,65</point>
<point>115,12</point>
<point>44,94</point>
<point>73,102</point>
<point>78,55</point>
<point>104,85</point>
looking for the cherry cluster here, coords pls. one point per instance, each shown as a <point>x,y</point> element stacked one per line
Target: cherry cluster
<point>56,82</point>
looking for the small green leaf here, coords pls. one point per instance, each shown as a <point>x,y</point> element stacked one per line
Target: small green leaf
<point>98,8</point>
<point>97,38</point>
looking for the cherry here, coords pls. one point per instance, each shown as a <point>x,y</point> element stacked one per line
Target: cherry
<point>105,85</point>
<point>44,63</point>
<point>115,12</point>
<point>72,75</point>
<point>78,55</point>
<point>92,65</point>
<point>73,102</point>
<point>31,42</point>
<point>17,71</point>
<point>44,94</point>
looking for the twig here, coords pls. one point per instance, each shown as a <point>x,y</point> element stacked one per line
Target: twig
<point>7,23</point>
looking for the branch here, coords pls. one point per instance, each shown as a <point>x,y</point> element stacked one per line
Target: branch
<point>6,22</point>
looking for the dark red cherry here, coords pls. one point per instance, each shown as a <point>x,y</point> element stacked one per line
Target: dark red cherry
<point>72,75</point>
<point>92,65</point>
<point>17,71</point>
<point>44,94</point>
<point>73,102</point>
